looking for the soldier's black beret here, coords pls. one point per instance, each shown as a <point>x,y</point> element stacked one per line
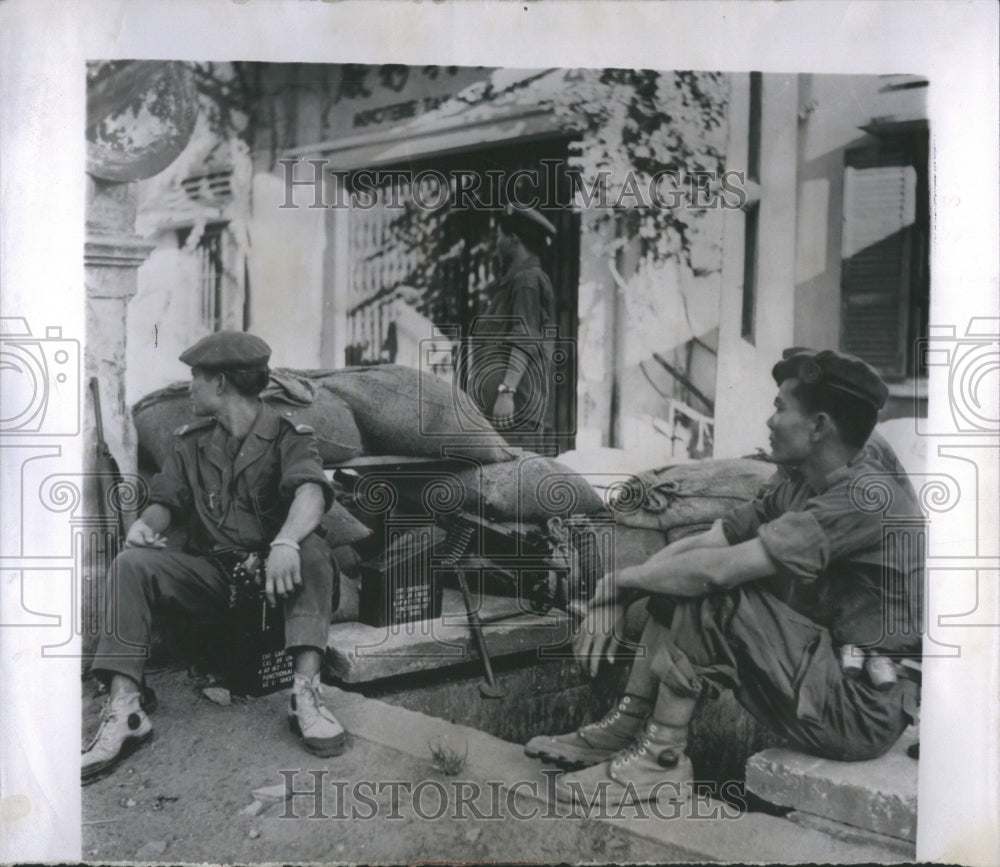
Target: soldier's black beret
<point>836,370</point>
<point>228,350</point>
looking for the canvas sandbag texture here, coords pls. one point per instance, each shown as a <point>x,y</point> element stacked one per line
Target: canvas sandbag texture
<point>530,488</point>
<point>159,414</point>
<point>405,411</point>
<point>688,495</point>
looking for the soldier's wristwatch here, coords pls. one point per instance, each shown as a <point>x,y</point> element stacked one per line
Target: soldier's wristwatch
<point>503,388</point>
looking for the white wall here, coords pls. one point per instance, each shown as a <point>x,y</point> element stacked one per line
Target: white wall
<point>161,319</point>
<point>745,390</point>
<point>285,259</point>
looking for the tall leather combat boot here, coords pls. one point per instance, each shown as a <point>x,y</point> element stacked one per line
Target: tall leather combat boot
<point>319,730</point>
<point>652,768</point>
<point>124,727</point>
<point>596,742</point>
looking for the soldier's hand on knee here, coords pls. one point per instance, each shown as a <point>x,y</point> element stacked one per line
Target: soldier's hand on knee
<point>141,535</point>
<point>605,592</point>
<point>597,635</point>
<point>283,572</point>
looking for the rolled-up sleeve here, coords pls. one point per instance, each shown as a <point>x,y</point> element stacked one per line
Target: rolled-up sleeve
<point>301,464</point>
<point>741,523</point>
<point>797,545</point>
<point>170,487</point>
<point>829,527</point>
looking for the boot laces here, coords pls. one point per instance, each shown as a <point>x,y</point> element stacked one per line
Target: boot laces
<point>639,747</point>
<point>611,716</point>
<point>309,701</point>
<point>103,737</point>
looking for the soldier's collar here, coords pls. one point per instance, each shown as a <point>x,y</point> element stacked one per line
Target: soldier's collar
<point>843,472</point>
<point>266,424</point>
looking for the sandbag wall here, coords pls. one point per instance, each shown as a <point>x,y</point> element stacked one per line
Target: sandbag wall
<point>392,410</point>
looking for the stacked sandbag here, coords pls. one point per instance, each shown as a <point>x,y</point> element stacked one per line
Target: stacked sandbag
<point>528,489</point>
<point>635,545</point>
<point>405,411</point>
<point>342,528</point>
<point>383,410</point>
<point>688,497</point>
<point>159,414</point>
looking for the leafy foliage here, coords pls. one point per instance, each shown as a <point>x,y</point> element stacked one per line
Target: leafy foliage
<point>625,128</point>
<point>636,124</point>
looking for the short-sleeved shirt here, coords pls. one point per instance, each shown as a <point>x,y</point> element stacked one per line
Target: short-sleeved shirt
<point>238,493</point>
<point>834,554</point>
<point>520,309</point>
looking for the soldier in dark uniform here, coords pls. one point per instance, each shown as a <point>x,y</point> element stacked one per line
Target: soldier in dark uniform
<point>511,374</point>
<point>251,481</point>
<point>714,619</point>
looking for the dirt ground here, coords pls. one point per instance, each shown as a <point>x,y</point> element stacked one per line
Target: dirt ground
<point>180,797</point>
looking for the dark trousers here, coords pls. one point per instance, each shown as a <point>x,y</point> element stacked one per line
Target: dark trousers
<point>782,668</point>
<point>146,579</point>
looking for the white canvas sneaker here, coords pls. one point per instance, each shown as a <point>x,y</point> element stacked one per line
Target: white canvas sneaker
<point>124,727</point>
<point>319,730</point>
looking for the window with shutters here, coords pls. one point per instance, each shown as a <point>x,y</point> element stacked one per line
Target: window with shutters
<point>884,278</point>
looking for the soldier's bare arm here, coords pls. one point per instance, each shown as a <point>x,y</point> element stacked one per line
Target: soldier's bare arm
<point>283,564</point>
<point>699,571</point>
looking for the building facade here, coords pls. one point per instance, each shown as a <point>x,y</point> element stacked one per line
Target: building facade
<point>704,222</point>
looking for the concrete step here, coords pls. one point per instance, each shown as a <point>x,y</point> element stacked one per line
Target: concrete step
<point>702,831</point>
<point>358,653</point>
<point>878,795</point>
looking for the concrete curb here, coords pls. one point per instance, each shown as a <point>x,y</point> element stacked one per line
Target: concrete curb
<point>752,837</point>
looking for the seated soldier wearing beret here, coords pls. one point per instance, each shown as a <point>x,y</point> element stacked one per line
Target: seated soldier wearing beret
<point>251,482</point>
<point>716,617</point>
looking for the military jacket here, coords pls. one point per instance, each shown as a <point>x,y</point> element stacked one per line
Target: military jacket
<point>833,547</point>
<point>520,308</point>
<point>238,493</point>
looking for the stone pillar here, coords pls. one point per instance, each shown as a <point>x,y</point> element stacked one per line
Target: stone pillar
<point>140,115</point>
<point>112,256</point>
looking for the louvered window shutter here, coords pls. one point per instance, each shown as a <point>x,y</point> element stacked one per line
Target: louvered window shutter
<point>879,213</point>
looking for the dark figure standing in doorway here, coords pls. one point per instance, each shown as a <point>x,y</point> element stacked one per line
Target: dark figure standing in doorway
<point>512,368</point>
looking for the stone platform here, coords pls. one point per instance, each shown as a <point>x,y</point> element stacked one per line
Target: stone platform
<point>358,653</point>
<point>709,832</point>
<point>878,796</point>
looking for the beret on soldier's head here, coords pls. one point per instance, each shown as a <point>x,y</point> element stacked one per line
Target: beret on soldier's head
<point>228,350</point>
<point>835,370</point>
<point>528,218</point>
